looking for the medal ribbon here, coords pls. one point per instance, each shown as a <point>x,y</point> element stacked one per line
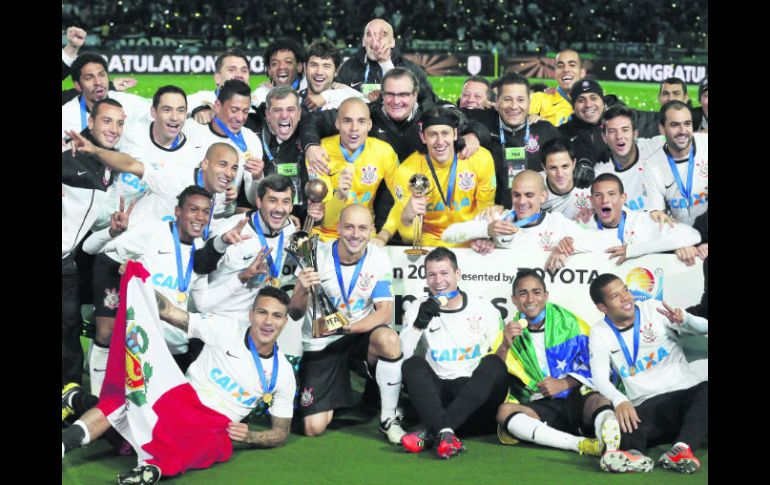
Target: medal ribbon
<point>351,158</point>
<point>199,182</point>
<point>563,94</point>
<point>175,143</point>
<point>448,295</point>
<point>526,133</point>
<point>266,147</point>
<point>535,321</point>
<point>366,73</point>
<point>236,138</point>
<point>83,113</point>
<point>621,226</point>
<point>295,84</point>
<point>452,178</point>
<point>183,282</point>
<point>690,166</point>
<point>522,222</point>
<point>258,360</point>
<point>622,342</point>
<point>338,270</point>
<point>275,269</point>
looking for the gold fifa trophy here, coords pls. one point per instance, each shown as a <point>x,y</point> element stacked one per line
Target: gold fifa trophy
<point>315,191</point>
<point>325,316</point>
<point>419,185</point>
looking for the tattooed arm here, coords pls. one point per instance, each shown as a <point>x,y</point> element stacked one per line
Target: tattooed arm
<point>272,438</point>
<point>171,314</point>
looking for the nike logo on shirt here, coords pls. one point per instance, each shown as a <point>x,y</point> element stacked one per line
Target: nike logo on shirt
<point>356,84</point>
<point>431,330</point>
<point>231,355</point>
<point>82,173</point>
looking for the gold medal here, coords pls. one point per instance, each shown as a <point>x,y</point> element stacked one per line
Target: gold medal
<point>267,398</point>
<point>181,297</point>
<point>246,155</point>
<point>523,323</point>
<point>442,300</point>
<point>275,282</point>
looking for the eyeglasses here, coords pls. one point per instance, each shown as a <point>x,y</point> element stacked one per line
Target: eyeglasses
<point>388,95</point>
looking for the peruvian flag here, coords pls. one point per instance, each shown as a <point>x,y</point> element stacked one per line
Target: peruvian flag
<point>146,397</point>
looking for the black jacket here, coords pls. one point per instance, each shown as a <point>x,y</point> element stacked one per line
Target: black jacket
<point>352,72</point>
<point>540,132</point>
<point>586,140</point>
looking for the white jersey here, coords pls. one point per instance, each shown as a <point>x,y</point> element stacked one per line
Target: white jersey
<point>259,95</point>
<point>633,176</point>
<point>663,191</point>
<point>642,235</point>
<point>660,367</point>
<point>568,204</point>
<point>373,286</point>
<point>225,376</point>
<point>206,136</point>
<point>152,243</point>
<point>225,294</point>
<point>136,107</point>
<point>456,340</point>
<point>545,234</point>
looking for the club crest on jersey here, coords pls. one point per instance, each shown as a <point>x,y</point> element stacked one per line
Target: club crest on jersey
<point>546,240</point>
<point>629,236</point>
<point>111,298</point>
<point>137,374</point>
<point>533,144</point>
<point>581,200</point>
<point>467,180</point>
<point>474,324</point>
<point>306,399</point>
<point>703,168</point>
<point>365,281</point>
<point>648,334</point>
<point>369,174</point>
<point>106,178</point>
<point>399,192</point>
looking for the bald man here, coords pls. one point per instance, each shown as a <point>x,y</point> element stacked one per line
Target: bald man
<point>556,106</point>
<point>527,227</point>
<point>357,277</point>
<point>378,54</point>
<point>358,165</point>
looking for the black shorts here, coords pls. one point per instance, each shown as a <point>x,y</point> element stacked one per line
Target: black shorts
<point>324,378</point>
<point>564,414</point>
<point>106,286</point>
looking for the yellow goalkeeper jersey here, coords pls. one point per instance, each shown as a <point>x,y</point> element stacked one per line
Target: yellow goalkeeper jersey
<point>474,191</point>
<point>554,108</point>
<point>377,162</point>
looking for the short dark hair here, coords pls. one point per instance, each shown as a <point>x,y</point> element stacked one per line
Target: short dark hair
<point>324,50</point>
<point>190,191</point>
<point>556,145</point>
<point>674,104</point>
<point>272,292</point>
<point>596,290</point>
<point>673,80</point>
<point>514,78</point>
<point>231,88</point>
<point>283,45</point>
<point>443,112</point>
<point>233,52</point>
<point>441,253</point>
<point>82,60</point>
<point>275,182</point>
<point>611,177</point>
<point>482,80</point>
<point>165,90</point>
<point>398,72</point>
<point>97,105</point>
<point>526,273</point>
<point>619,110</point>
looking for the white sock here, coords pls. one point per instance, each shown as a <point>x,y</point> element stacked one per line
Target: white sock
<point>97,366</point>
<point>87,436</point>
<point>599,421</point>
<point>527,428</point>
<point>388,377</point>
<point>446,430</point>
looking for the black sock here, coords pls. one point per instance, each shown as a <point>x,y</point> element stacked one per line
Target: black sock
<point>72,437</point>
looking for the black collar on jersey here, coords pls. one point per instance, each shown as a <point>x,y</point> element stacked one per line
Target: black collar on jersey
<point>537,330</point>
<point>171,229</point>
<point>246,343</point>
<point>556,193</point>
<point>211,128</point>
<point>621,169</point>
<point>462,307</point>
<point>180,145</point>
<point>687,158</point>
<point>86,133</point>
<point>265,228</point>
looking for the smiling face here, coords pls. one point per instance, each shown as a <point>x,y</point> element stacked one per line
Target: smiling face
<point>620,135</point>
<point>93,82</point>
<point>589,107</point>
<point>106,126</point>
<point>527,193</point>
<point>283,116</point>
<point>474,95</point>
<point>398,97</point>
<point>529,296</point>
<point>569,69</point>
<point>319,73</point>
<point>169,117</point>
<point>513,104</point>
<point>233,67</point>
<point>355,229</point>
<point>219,169</point>
<point>671,92</point>
<point>275,208</point>
<point>678,130</point>
<point>353,122</point>
<point>284,68</point>
<point>440,141</point>
<point>440,276</point>
<point>378,40</point>
<point>607,202</point>
<point>192,217</point>
<point>268,317</point>
<point>559,169</point>
<point>233,112</point>
<point>618,301</point>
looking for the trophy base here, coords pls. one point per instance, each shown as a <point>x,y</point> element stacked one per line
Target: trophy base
<point>326,325</point>
<point>414,251</point>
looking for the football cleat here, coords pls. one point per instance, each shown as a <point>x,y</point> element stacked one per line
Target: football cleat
<point>590,447</point>
<point>679,458</point>
<point>392,429</point>
<point>417,441</point>
<point>66,394</point>
<point>619,461</point>
<point>610,434</point>
<point>505,437</point>
<point>448,445</point>
<point>141,475</point>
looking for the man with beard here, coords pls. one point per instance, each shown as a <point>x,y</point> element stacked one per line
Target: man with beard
<point>584,129</point>
<point>322,60</point>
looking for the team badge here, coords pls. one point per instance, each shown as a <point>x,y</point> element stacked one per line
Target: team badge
<point>581,200</point>
<point>703,168</point>
<point>467,180</point>
<point>399,192</point>
<point>629,236</point>
<point>533,144</point>
<point>106,179</point>
<point>586,85</point>
<point>474,324</point>
<point>546,240</point>
<point>137,374</point>
<point>648,334</point>
<point>306,399</point>
<point>365,281</point>
<point>111,298</point>
<point>369,174</point>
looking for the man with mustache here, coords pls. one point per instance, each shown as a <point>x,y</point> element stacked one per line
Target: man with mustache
<point>584,129</point>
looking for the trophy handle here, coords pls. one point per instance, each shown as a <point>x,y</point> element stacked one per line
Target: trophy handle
<point>417,238</point>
